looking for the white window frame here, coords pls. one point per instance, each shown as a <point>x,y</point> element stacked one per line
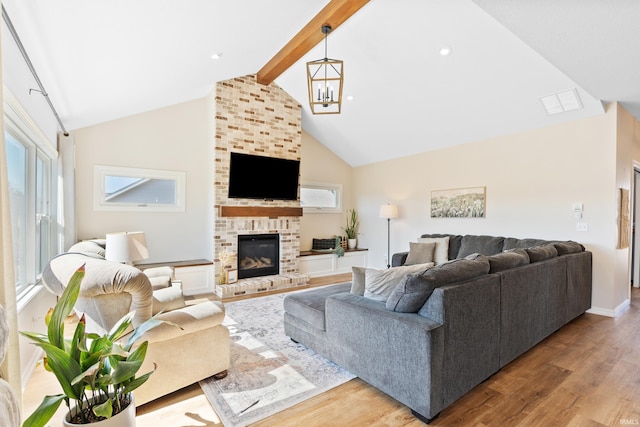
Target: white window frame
<point>323,186</point>
<point>21,126</point>
<point>101,204</point>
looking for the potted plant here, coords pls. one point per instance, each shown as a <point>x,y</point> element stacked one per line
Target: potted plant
<point>351,230</point>
<point>97,372</point>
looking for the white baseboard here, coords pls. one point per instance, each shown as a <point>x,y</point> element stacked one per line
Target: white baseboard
<point>621,308</point>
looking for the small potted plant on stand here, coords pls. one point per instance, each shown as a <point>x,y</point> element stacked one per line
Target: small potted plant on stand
<point>97,372</point>
<point>351,230</point>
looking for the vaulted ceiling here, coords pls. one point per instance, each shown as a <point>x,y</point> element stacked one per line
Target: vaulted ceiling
<point>102,60</point>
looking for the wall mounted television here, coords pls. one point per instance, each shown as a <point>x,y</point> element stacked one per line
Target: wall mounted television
<point>261,177</point>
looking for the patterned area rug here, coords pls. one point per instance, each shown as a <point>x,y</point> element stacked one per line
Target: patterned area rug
<point>269,373</point>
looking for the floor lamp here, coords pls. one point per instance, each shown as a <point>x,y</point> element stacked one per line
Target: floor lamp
<point>388,211</point>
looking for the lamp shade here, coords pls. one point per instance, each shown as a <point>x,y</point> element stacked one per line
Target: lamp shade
<point>388,211</point>
<point>128,246</point>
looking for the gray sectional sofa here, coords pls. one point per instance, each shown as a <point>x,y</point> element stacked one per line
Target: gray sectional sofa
<point>444,330</point>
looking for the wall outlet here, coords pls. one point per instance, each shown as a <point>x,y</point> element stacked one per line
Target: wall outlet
<point>582,226</point>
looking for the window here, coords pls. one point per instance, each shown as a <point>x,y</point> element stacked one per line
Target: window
<point>132,189</point>
<point>30,172</point>
<point>321,198</point>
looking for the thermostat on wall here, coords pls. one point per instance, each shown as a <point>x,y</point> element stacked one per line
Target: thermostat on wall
<point>577,207</point>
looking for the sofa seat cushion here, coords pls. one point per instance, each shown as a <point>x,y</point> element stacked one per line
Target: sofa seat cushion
<point>509,259</point>
<point>379,284</point>
<point>310,305</point>
<point>415,289</point>
<point>486,245</point>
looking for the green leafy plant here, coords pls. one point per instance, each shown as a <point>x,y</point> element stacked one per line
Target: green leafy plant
<point>97,372</point>
<point>353,224</point>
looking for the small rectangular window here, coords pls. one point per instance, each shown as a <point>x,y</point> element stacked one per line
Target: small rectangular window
<point>132,189</point>
<point>321,197</point>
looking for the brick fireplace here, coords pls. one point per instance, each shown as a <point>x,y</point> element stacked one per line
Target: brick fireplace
<point>262,120</point>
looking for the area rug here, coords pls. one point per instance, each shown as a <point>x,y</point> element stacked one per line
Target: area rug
<point>269,373</point>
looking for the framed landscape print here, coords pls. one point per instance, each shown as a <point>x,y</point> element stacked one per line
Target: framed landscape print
<point>458,203</point>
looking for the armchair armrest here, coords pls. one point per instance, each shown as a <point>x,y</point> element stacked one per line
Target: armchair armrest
<point>191,318</point>
<point>168,299</point>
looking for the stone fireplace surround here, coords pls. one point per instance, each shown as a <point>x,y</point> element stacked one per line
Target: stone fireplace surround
<point>262,120</point>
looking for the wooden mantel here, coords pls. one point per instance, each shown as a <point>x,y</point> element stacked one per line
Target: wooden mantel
<point>271,212</point>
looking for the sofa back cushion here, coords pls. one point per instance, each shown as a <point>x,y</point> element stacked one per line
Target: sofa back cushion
<point>378,284</point>
<point>568,247</point>
<point>486,245</point>
<point>541,253</point>
<point>509,259</point>
<point>414,289</point>
<point>514,243</point>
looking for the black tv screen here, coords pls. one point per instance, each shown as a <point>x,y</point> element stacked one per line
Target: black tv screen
<point>261,177</point>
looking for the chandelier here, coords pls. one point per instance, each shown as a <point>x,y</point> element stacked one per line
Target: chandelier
<point>324,78</point>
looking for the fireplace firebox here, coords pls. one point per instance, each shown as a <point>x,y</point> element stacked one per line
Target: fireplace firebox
<point>258,255</point>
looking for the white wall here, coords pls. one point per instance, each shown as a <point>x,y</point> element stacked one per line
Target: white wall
<point>177,138</point>
<point>532,179</point>
<point>319,164</point>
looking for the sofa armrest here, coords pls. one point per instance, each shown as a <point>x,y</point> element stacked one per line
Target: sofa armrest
<point>399,353</point>
<point>470,314</point>
<point>398,259</point>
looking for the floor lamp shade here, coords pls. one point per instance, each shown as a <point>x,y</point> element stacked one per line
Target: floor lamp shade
<point>128,247</point>
<point>388,211</point>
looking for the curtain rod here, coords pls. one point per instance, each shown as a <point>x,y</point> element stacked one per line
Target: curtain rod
<point>44,93</point>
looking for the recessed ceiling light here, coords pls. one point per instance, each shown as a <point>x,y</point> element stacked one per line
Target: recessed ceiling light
<point>445,50</point>
<point>350,98</point>
<point>217,55</point>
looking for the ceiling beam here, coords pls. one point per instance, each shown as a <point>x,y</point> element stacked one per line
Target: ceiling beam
<point>333,14</point>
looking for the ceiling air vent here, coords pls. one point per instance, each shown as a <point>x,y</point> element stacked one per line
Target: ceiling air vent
<point>561,102</point>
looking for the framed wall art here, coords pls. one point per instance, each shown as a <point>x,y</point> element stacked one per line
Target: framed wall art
<point>459,203</point>
<point>232,276</point>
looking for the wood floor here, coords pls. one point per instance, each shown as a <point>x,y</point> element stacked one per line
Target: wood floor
<point>586,374</point>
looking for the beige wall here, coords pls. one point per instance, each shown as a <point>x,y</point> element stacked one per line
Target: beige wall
<point>321,165</point>
<point>532,179</point>
<point>176,138</point>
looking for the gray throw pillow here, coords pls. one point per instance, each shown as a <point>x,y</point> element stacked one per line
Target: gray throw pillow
<point>509,259</point>
<point>441,252</point>
<point>541,253</point>
<point>357,280</point>
<point>420,253</point>
<point>412,292</point>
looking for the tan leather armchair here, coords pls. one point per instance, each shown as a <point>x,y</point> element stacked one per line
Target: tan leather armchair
<point>110,290</point>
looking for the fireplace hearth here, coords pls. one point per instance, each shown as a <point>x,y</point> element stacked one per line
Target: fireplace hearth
<point>258,255</point>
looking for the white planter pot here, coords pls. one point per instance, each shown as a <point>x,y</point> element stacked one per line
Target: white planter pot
<point>126,418</point>
<point>352,243</point>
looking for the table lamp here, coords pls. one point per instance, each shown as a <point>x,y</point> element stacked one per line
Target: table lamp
<point>126,247</point>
